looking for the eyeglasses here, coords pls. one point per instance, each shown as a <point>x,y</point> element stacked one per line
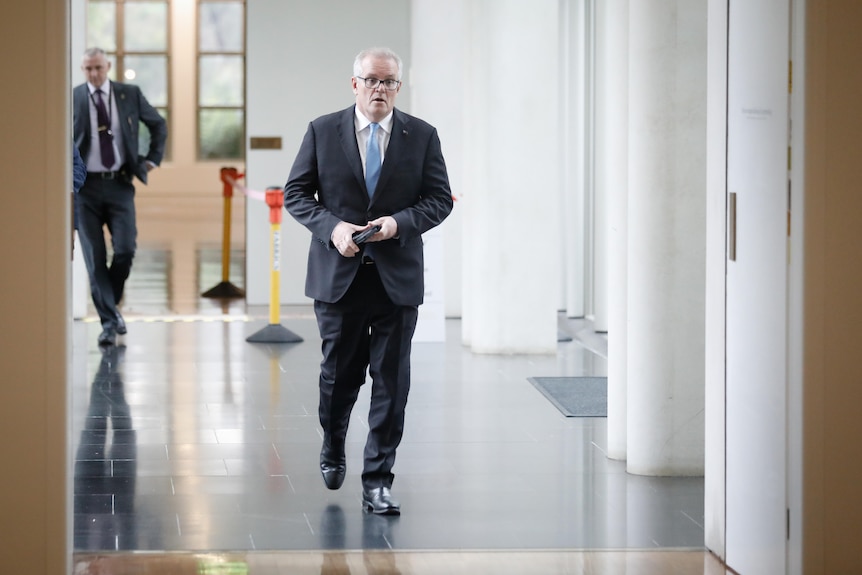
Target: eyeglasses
<point>373,83</point>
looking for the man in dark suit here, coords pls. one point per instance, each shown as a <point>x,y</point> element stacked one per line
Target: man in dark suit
<point>107,116</point>
<point>368,165</point>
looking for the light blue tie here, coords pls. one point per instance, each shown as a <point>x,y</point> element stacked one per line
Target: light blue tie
<point>372,160</point>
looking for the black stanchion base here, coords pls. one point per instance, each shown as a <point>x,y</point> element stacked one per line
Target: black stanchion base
<point>224,290</point>
<point>274,333</point>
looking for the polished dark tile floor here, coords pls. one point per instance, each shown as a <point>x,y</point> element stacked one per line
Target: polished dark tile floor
<point>188,438</point>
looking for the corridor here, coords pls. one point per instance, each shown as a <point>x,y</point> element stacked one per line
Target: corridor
<point>199,448</point>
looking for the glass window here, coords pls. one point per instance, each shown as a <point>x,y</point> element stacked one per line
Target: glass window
<point>134,34</point>
<point>102,25</point>
<point>145,27</point>
<point>221,79</point>
<point>221,133</point>
<point>151,74</point>
<point>219,29</point>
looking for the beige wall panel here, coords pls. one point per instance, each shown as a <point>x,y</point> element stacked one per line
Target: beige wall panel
<point>35,255</point>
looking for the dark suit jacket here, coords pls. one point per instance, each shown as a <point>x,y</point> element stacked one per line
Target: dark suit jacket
<point>133,109</point>
<point>79,170</point>
<point>327,185</point>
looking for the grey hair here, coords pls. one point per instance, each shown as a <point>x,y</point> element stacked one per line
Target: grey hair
<point>93,52</point>
<point>385,53</point>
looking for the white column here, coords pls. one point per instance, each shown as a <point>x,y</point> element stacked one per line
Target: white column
<point>666,255</point>
<point>513,141</point>
<point>476,91</point>
<point>603,115</point>
<point>612,29</point>
<point>573,72</point>
<point>436,75</point>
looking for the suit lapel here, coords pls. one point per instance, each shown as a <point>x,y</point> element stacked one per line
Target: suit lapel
<point>398,141</point>
<point>347,136</point>
<point>125,117</point>
<point>82,101</point>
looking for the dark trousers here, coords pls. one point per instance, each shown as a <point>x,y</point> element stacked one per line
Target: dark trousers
<point>107,203</point>
<point>366,330</point>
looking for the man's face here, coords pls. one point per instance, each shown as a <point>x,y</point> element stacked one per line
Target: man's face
<point>96,69</point>
<point>376,103</point>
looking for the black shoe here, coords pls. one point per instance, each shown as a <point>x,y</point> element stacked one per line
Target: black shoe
<point>121,324</point>
<point>108,336</point>
<point>333,466</point>
<point>379,501</point>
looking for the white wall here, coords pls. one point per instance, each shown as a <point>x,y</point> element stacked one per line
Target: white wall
<point>716,214</point>
<point>299,65</point>
<point>756,316</point>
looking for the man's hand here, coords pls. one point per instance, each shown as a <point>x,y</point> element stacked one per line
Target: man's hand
<point>342,235</point>
<point>342,239</point>
<point>388,229</point>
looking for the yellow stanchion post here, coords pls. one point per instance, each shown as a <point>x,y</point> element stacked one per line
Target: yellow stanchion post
<point>225,289</point>
<point>274,332</point>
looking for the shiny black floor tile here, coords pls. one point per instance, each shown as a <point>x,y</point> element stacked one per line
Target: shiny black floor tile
<point>187,437</point>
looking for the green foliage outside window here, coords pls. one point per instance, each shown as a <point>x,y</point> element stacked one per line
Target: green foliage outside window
<point>221,133</point>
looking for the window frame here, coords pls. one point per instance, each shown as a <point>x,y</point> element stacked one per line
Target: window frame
<point>120,53</point>
<point>198,106</point>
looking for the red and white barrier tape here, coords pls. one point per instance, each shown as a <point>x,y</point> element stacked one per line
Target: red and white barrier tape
<point>253,194</point>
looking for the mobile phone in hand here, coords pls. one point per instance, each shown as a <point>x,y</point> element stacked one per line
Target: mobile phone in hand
<point>362,236</point>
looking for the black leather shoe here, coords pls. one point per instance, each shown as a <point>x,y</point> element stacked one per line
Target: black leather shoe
<point>121,324</point>
<point>333,466</point>
<point>108,336</point>
<point>379,501</point>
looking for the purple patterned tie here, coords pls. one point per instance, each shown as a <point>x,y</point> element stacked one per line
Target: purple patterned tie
<point>106,137</point>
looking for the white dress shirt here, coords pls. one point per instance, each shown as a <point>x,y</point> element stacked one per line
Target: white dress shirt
<point>363,130</point>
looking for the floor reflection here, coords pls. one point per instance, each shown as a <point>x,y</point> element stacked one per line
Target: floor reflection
<point>106,463</point>
<point>378,531</point>
<point>182,254</point>
<point>164,282</point>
